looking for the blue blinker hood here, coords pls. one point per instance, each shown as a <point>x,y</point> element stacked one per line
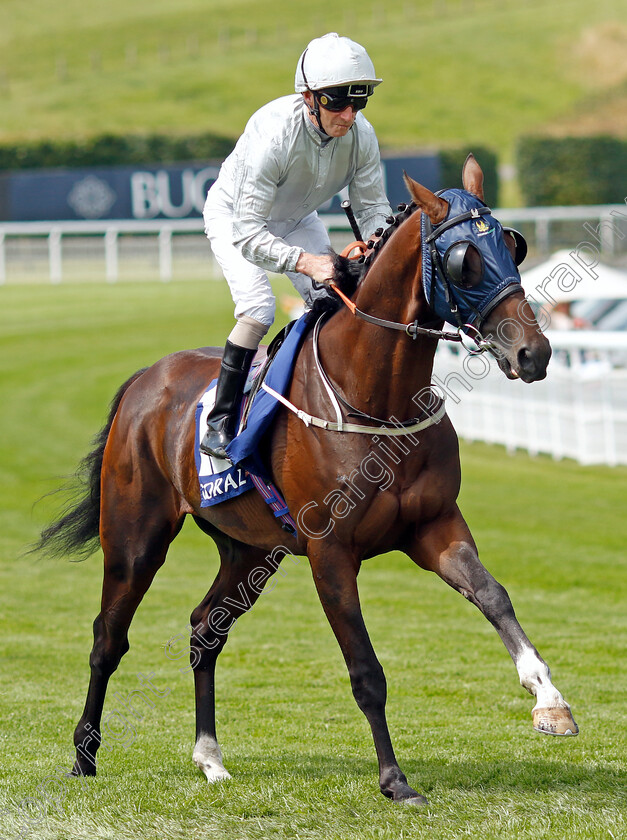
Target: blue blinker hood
<point>468,220</point>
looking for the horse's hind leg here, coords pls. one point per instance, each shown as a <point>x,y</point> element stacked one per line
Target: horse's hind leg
<point>244,571</point>
<point>446,547</point>
<point>135,539</point>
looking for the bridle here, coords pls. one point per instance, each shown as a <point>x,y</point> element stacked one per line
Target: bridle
<point>414,329</point>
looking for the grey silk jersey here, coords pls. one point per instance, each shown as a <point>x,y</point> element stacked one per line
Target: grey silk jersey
<point>282,170</point>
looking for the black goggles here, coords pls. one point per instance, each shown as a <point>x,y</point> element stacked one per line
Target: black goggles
<point>338,98</point>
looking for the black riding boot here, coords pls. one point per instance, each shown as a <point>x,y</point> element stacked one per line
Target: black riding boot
<point>222,420</point>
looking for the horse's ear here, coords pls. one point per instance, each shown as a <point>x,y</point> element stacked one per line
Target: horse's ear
<point>472,177</point>
<point>434,206</point>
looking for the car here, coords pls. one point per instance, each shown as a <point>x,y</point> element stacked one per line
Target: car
<point>591,310</point>
<point>615,318</point>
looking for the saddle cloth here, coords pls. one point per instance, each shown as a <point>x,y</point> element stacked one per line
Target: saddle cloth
<point>220,479</point>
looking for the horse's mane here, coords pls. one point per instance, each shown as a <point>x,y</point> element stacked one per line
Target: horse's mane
<point>349,273</point>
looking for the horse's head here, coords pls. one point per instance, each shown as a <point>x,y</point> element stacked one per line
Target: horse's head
<point>471,278</point>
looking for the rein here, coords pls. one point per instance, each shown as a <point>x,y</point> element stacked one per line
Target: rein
<point>393,427</point>
<point>330,426</point>
<point>413,329</point>
<point>336,398</point>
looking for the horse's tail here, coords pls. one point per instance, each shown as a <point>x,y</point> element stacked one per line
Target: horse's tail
<point>77,530</point>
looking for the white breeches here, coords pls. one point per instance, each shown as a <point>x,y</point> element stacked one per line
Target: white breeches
<point>250,287</point>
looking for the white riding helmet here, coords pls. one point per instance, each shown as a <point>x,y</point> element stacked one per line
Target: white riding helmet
<point>332,61</point>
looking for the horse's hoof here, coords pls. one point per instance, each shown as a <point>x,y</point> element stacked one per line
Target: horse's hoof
<point>213,769</point>
<point>557,721</point>
<point>79,770</point>
<point>417,801</point>
<point>403,794</point>
<point>216,774</point>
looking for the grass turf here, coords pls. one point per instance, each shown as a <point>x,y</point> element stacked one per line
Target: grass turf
<point>455,71</point>
<point>299,750</point>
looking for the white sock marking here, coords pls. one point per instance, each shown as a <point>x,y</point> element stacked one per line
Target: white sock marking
<point>535,676</point>
<point>208,756</point>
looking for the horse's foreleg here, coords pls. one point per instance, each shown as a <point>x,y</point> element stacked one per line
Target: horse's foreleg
<point>335,576</point>
<point>135,543</point>
<point>243,573</point>
<point>446,547</point>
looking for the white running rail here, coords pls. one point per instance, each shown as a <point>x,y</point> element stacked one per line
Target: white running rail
<point>114,249</point>
<point>579,411</point>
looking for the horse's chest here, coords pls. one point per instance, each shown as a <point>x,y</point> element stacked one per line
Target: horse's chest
<point>425,498</point>
<point>374,530</point>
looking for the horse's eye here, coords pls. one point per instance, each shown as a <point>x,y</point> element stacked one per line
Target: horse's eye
<point>463,265</point>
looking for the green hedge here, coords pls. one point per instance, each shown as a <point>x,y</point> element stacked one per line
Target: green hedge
<point>572,170</point>
<point>452,161</point>
<point>114,150</point>
<point>121,150</point>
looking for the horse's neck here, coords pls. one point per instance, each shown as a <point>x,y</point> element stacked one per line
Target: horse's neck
<point>378,369</point>
<point>392,288</point>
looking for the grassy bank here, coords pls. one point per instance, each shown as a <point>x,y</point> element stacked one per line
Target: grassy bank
<point>456,71</point>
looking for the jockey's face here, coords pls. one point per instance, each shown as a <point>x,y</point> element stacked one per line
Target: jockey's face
<point>335,123</point>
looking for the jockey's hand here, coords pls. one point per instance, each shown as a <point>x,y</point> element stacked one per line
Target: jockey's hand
<point>318,267</point>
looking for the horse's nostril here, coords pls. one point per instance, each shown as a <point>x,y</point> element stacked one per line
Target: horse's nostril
<point>525,359</point>
<point>533,360</point>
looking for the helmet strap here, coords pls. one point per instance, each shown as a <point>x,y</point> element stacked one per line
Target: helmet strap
<point>315,111</point>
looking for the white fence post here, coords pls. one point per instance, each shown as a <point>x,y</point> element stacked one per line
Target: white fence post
<point>542,235</point>
<point>608,234</point>
<point>165,253</point>
<point>111,254</point>
<point>3,262</point>
<point>55,259</point>
<point>609,430</point>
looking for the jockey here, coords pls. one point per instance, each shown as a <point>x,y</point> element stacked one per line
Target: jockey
<point>295,154</point>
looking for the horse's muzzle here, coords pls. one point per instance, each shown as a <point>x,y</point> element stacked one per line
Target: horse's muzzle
<point>530,363</point>
<point>520,347</point>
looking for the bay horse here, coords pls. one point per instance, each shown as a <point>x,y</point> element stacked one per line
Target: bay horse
<point>374,356</point>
